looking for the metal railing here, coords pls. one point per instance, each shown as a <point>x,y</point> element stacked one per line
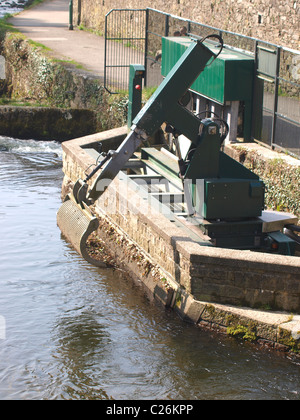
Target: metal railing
<point>134,36</point>
<point>125,31</point>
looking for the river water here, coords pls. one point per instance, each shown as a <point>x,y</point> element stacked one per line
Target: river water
<point>69,330</point>
<point>11,6</point>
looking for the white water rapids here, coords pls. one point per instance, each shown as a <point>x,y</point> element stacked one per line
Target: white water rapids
<point>11,6</point>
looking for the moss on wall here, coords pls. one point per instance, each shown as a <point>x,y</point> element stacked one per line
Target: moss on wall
<point>281,179</point>
<point>32,75</point>
<point>43,123</point>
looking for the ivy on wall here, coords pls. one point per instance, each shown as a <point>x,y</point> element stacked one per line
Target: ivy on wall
<point>281,179</point>
<point>34,76</point>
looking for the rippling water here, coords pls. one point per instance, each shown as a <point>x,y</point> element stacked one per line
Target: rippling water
<point>73,331</point>
<point>11,6</point>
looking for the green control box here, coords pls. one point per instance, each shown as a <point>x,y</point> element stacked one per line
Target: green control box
<point>229,77</point>
<point>136,76</point>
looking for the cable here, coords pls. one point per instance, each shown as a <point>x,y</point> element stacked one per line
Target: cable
<point>107,157</point>
<point>221,46</point>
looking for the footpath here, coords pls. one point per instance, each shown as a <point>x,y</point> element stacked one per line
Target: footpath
<point>48,24</point>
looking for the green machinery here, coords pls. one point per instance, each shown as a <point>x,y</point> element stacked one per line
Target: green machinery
<point>227,79</point>
<point>224,200</point>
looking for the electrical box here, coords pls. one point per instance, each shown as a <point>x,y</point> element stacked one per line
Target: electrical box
<point>136,76</point>
<point>228,78</point>
<point>228,198</point>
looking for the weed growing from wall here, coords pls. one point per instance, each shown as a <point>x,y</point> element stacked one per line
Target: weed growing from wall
<point>282,182</point>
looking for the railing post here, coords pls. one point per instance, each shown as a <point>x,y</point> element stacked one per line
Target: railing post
<point>275,106</point>
<point>167,22</point>
<point>71,15</point>
<point>146,46</point>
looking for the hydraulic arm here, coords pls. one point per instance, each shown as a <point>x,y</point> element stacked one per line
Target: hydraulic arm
<point>74,217</point>
<point>163,106</point>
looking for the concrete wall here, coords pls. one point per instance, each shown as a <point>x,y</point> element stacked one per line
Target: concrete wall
<point>275,21</point>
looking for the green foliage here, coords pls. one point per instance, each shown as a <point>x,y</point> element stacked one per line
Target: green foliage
<point>282,182</point>
<point>148,92</point>
<point>6,27</point>
<point>11,102</point>
<point>32,3</point>
<point>244,332</point>
<point>286,339</point>
<point>119,108</point>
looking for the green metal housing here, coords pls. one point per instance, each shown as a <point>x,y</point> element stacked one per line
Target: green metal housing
<point>228,78</point>
<point>164,105</point>
<point>221,188</point>
<point>136,76</point>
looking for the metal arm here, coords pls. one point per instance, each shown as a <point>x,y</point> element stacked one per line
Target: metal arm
<point>162,107</point>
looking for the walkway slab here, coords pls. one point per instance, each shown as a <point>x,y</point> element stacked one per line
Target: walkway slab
<point>48,24</point>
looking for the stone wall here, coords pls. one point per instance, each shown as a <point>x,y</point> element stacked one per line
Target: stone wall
<point>45,123</point>
<point>233,277</point>
<point>223,276</point>
<point>275,21</point>
<point>32,76</point>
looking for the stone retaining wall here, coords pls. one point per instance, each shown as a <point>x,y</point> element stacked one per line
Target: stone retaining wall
<point>32,76</point>
<point>46,123</point>
<point>275,21</point>
<point>181,274</point>
<point>240,278</point>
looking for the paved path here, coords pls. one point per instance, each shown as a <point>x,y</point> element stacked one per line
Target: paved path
<point>48,24</point>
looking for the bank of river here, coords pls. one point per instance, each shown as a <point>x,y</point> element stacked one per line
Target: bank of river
<point>74,331</point>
